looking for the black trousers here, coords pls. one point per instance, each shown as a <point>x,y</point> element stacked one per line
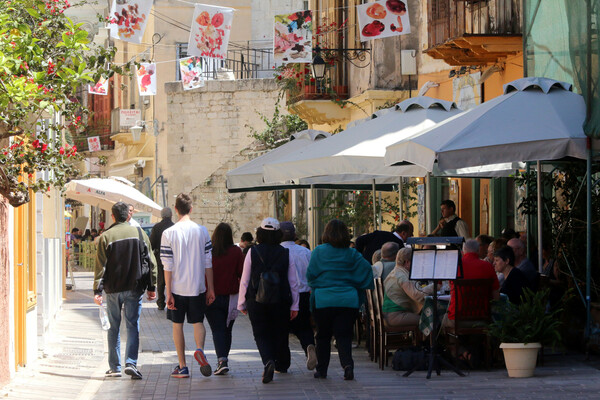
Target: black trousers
<point>160,286</point>
<point>338,322</point>
<point>216,314</point>
<point>270,326</point>
<point>301,326</point>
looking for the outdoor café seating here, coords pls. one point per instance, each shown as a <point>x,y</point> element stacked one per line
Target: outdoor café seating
<point>389,338</point>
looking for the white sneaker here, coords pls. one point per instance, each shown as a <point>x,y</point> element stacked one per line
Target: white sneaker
<point>311,357</point>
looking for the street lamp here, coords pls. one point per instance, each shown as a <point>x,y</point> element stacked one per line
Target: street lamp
<point>136,130</point>
<point>318,65</point>
<point>360,58</point>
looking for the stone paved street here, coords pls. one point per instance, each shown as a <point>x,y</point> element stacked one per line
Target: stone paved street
<point>74,364</point>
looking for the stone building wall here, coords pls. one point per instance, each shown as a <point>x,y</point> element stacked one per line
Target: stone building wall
<point>208,130</point>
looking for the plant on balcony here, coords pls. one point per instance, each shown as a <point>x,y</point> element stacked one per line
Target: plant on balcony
<point>44,58</point>
<point>278,128</point>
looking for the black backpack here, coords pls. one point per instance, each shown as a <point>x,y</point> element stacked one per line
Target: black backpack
<point>268,289</point>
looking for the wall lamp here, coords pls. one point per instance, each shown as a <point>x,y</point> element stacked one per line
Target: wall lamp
<point>136,130</point>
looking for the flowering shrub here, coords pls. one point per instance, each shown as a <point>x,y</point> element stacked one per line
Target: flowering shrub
<point>44,58</point>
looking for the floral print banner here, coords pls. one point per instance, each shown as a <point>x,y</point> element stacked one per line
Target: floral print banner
<point>209,35</point>
<point>101,87</point>
<point>383,18</point>
<point>191,72</point>
<point>292,41</point>
<point>94,143</point>
<point>128,19</point>
<point>146,77</point>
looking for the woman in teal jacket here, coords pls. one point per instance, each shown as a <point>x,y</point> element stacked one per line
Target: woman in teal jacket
<point>338,276</point>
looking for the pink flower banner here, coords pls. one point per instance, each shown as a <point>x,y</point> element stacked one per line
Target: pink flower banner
<point>383,18</point>
<point>292,41</point>
<point>146,77</point>
<point>94,143</point>
<point>209,34</point>
<point>128,19</point>
<point>191,73</point>
<point>101,87</point>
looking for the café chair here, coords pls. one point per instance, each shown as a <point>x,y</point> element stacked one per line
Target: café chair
<point>373,343</point>
<point>474,315</point>
<point>390,338</point>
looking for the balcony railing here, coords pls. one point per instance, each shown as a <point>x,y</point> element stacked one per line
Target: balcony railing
<point>333,87</point>
<point>448,19</point>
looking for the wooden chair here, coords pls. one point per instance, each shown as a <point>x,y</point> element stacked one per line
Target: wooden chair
<point>474,313</point>
<point>390,339</point>
<point>373,332</point>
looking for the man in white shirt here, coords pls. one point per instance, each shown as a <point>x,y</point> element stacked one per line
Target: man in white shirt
<point>132,221</point>
<point>301,326</point>
<point>185,252</point>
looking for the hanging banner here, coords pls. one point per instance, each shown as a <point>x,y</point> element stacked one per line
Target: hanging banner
<point>128,19</point>
<point>191,72</point>
<point>101,87</point>
<point>209,34</point>
<point>383,18</point>
<point>94,143</point>
<point>292,41</point>
<point>146,77</point>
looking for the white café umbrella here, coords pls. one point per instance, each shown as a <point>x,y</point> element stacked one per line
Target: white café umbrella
<point>360,149</point>
<point>104,193</point>
<point>249,177</point>
<point>535,119</point>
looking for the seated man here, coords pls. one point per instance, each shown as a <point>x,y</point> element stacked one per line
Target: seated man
<point>382,268</point>
<point>523,263</point>
<point>402,301</point>
<point>473,268</point>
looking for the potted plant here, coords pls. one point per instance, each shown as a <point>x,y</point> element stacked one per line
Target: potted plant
<point>522,329</point>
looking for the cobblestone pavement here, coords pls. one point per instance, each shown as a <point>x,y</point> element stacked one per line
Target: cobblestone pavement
<point>74,362</point>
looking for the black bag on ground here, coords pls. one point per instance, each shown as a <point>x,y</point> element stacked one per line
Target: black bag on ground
<point>409,358</point>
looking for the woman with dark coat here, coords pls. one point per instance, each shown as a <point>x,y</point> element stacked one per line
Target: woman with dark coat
<point>269,295</point>
<point>338,276</point>
<point>227,266</point>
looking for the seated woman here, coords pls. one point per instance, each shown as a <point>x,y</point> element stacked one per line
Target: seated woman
<point>402,301</point>
<point>514,280</point>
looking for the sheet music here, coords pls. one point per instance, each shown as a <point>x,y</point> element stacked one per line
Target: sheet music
<point>446,262</point>
<point>422,265</point>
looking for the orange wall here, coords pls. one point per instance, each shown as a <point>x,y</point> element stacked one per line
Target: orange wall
<point>492,87</point>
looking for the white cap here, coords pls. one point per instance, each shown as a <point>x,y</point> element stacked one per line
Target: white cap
<point>270,224</point>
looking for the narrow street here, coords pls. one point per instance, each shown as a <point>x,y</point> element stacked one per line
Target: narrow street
<point>74,364</point>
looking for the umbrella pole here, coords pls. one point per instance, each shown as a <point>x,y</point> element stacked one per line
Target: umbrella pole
<point>400,205</point>
<point>374,208</point>
<point>539,215</point>
<point>588,253</point>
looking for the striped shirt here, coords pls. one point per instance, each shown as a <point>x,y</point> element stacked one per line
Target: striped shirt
<point>185,250</point>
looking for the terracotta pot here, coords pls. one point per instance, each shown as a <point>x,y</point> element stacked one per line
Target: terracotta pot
<point>520,358</point>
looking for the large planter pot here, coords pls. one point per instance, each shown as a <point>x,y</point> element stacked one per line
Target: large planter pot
<point>520,358</point>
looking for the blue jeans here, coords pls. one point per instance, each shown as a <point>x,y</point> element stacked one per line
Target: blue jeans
<point>216,314</point>
<point>131,302</point>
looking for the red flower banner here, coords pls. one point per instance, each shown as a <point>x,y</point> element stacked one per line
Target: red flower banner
<point>101,87</point>
<point>209,35</point>
<point>146,77</point>
<point>383,18</point>
<point>128,19</point>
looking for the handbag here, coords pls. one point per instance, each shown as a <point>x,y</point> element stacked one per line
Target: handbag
<point>269,285</point>
<point>145,279</point>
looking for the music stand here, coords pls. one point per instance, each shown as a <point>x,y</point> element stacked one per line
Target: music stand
<point>427,265</point>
